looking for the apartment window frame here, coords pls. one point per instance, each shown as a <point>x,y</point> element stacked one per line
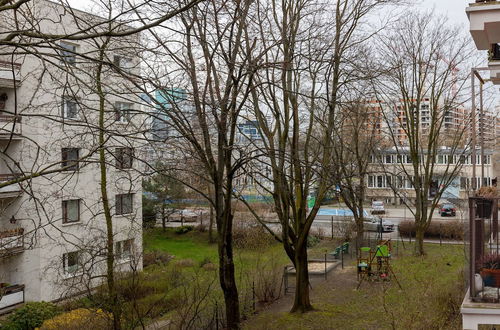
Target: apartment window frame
<point>72,163</point>
<point>68,52</point>
<point>124,249</point>
<point>66,111</point>
<point>124,204</point>
<point>124,158</point>
<point>72,262</point>
<point>65,211</point>
<point>123,112</point>
<point>122,62</point>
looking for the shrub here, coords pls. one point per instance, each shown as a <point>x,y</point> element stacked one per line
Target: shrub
<point>202,227</point>
<point>156,258</point>
<point>205,261</point>
<point>312,241</point>
<point>447,230</point>
<point>151,306</point>
<point>79,319</point>
<point>183,229</point>
<point>247,236</point>
<point>185,263</point>
<point>30,316</point>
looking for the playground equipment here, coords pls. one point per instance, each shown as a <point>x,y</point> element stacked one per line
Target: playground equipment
<point>375,264</point>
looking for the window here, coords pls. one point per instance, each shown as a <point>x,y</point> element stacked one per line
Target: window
<point>122,62</point>
<point>124,249</point>
<point>68,52</point>
<point>70,159</point>
<point>123,111</point>
<point>124,203</point>
<point>380,181</point>
<point>371,181</point>
<point>124,157</point>
<point>464,183</point>
<point>388,159</point>
<point>71,262</point>
<point>69,108</point>
<point>71,210</point>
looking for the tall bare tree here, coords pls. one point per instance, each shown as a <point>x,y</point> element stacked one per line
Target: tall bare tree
<point>201,76</point>
<point>308,67</point>
<point>425,61</point>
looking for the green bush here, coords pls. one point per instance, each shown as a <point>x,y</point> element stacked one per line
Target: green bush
<point>30,316</point>
<point>183,229</point>
<point>312,241</point>
<point>447,230</point>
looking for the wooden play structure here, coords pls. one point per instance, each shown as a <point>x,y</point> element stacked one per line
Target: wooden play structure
<point>375,264</point>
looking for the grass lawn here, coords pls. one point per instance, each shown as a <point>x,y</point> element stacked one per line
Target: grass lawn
<point>192,245</point>
<point>433,288</point>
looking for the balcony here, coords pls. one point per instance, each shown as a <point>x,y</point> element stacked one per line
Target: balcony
<point>494,63</point>
<point>481,305</point>
<point>10,74</point>
<point>10,127</point>
<point>484,17</point>
<point>12,190</point>
<point>11,296</point>
<point>11,242</point>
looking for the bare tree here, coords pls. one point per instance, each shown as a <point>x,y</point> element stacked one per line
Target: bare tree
<point>357,136</point>
<point>308,68</point>
<point>201,73</point>
<point>421,89</point>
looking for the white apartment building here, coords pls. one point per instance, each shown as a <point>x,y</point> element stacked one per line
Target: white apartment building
<point>52,227</point>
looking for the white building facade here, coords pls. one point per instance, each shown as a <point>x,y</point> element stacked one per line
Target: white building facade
<point>52,226</point>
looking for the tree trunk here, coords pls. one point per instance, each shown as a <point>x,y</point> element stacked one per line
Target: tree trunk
<point>211,225</point>
<point>301,302</point>
<point>110,255</point>
<point>227,276</point>
<point>419,240</point>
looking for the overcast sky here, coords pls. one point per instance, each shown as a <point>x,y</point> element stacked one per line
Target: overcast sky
<point>454,9</point>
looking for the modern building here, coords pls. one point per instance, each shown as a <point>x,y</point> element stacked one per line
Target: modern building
<point>389,169</point>
<point>481,306</point>
<point>52,227</point>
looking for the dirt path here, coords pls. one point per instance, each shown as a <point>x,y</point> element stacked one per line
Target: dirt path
<point>338,278</point>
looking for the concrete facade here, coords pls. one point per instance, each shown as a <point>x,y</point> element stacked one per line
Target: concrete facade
<point>53,102</point>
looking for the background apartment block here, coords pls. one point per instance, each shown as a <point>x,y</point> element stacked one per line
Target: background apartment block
<point>52,227</point>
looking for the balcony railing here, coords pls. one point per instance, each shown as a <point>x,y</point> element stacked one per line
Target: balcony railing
<point>11,295</point>
<point>11,242</point>
<point>10,74</point>
<point>484,250</point>
<point>11,190</point>
<point>10,126</point>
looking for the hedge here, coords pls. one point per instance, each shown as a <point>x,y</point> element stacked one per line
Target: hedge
<point>443,229</point>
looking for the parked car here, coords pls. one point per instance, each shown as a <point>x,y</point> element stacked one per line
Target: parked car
<point>186,215</point>
<point>448,210</point>
<point>377,207</point>
<point>373,224</point>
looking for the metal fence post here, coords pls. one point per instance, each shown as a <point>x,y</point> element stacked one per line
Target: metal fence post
<point>342,253</point>
<point>332,226</point>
